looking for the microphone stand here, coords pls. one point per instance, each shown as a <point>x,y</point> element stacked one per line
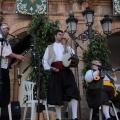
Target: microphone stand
<point>14,37</point>
<point>101,87</point>
<point>18,69</point>
<point>77,74</point>
<point>19,76</point>
<point>76,67</point>
<point>38,86</point>
<point>34,56</point>
<point>74,39</point>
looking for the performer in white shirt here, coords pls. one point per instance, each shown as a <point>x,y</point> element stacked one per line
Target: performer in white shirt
<point>61,83</point>
<point>5,53</point>
<point>101,88</point>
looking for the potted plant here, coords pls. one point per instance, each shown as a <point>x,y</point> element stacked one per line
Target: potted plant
<point>41,28</point>
<point>97,50</point>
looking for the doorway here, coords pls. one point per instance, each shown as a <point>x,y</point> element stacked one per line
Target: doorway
<point>114,46</point>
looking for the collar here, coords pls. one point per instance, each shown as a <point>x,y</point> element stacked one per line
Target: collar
<point>55,43</point>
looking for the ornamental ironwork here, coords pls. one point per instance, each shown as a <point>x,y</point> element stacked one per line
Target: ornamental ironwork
<point>116,7</point>
<point>31,7</point>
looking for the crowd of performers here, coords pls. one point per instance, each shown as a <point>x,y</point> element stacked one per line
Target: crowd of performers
<point>62,86</point>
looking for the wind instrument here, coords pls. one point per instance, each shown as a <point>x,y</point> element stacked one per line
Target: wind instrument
<point>109,72</point>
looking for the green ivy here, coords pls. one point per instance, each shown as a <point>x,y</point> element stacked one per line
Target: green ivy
<point>41,28</point>
<point>97,50</point>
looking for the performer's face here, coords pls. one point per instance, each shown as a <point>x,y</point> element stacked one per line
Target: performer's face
<point>5,29</point>
<point>58,37</point>
<point>94,63</point>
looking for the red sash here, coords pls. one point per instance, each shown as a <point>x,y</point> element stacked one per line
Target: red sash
<point>58,65</point>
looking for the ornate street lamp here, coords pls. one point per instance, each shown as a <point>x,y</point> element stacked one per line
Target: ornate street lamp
<point>71,24</point>
<point>106,23</point>
<point>88,15</point>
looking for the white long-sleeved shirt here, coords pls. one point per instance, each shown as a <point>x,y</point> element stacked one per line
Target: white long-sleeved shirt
<point>90,75</point>
<point>59,52</point>
<point>5,53</point>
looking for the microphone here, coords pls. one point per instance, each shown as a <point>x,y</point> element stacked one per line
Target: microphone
<point>32,47</point>
<point>19,76</point>
<point>100,66</point>
<point>96,65</point>
<point>118,69</point>
<point>69,58</point>
<point>64,39</point>
<point>73,57</point>
<point>31,42</point>
<point>14,36</point>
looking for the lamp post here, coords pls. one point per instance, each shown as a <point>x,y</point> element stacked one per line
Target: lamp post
<point>72,23</point>
<point>88,15</point>
<point>106,23</point>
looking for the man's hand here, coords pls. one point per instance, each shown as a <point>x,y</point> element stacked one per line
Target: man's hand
<point>54,69</point>
<point>20,57</point>
<point>67,43</point>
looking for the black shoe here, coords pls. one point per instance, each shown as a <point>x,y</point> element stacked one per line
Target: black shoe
<point>75,119</point>
<point>109,119</point>
<point>118,115</point>
<point>57,119</point>
<point>95,117</point>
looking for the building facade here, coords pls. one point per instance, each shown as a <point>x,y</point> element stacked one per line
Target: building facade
<point>59,10</point>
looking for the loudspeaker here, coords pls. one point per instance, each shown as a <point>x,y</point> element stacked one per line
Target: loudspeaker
<point>15,109</point>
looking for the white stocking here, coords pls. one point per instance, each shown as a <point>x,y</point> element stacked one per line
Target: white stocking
<point>74,104</point>
<point>58,111</point>
<point>106,111</point>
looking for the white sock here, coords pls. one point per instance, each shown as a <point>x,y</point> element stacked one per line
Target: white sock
<point>112,111</point>
<point>106,111</point>
<point>74,104</point>
<point>58,111</point>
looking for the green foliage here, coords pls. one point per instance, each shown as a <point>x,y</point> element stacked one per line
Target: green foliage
<point>41,28</point>
<point>97,50</point>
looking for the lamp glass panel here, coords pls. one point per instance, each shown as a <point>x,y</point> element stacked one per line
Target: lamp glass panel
<point>110,27</point>
<point>71,27</point>
<point>107,27</point>
<point>88,19</point>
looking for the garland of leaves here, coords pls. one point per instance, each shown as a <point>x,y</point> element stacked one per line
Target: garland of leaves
<point>41,28</point>
<point>97,50</point>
